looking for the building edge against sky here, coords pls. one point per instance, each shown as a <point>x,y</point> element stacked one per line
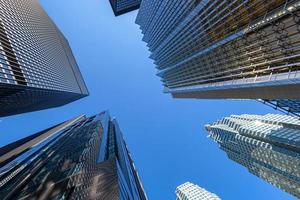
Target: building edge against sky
<point>83,158</point>
<point>242,50</point>
<point>121,7</point>
<point>287,106</point>
<point>190,191</point>
<point>268,146</point>
<point>37,67</point>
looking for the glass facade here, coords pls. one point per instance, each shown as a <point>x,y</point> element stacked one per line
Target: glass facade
<point>190,191</point>
<point>124,6</point>
<point>289,106</point>
<point>268,146</point>
<point>37,67</point>
<point>83,158</point>
<point>225,49</point>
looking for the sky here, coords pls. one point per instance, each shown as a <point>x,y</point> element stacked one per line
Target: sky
<point>166,136</point>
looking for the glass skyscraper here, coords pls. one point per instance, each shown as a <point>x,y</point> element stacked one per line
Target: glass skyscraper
<point>190,191</point>
<point>226,49</point>
<point>83,158</point>
<point>37,67</point>
<point>124,6</point>
<point>288,106</point>
<point>268,146</point>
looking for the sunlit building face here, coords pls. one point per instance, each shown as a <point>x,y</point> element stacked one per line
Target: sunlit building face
<point>212,49</point>
<point>268,146</point>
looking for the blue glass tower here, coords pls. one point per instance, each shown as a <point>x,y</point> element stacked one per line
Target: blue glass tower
<point>121,7</point>
<point>83,158</point>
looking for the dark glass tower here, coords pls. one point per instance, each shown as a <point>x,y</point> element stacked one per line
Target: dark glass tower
<point>288,106</point>
<point>216,49</point>
<point>37,67</point>
<point>124,6</point>
<point>268,146</point>
<point>83,158</point>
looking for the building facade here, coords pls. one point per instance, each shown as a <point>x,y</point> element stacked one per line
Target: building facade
<point>83,158</point>
<point>222,49</point>
<point>268,146</point>
<point>121,7</point>
<point>288,106</point>
<point>37,67</point>
<point>190,191</point>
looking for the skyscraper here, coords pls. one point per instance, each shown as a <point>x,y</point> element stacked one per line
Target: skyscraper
<point>190,191</point>
<point>288,106</point>
<point>124,6</point>
<point>223,49</point>
<point>268,146</point>
<point>83,158</point>
<point>37,67</point>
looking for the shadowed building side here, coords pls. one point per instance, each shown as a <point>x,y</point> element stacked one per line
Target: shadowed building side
<point>121,7</point>
<point>288,106</point>
<point>83,158</point>
<point>37,66</point>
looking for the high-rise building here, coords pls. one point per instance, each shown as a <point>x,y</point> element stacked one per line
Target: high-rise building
<point>225,49</point>
<point>268,146</point>
<point>124,6</point>
<point>190,191</point>
<point>37,67</point>
<point>83,158</point>
<point>288,106</point>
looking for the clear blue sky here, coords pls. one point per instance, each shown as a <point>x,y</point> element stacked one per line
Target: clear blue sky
<point>165,135</point>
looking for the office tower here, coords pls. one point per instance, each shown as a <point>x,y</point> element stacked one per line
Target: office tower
<point>225,49</point>
<point>83,158</point>
<point>268,146</point>
<point>190,191</point>
<point>37,67</point>
<point>288,106</point>
<point>121,7</point>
